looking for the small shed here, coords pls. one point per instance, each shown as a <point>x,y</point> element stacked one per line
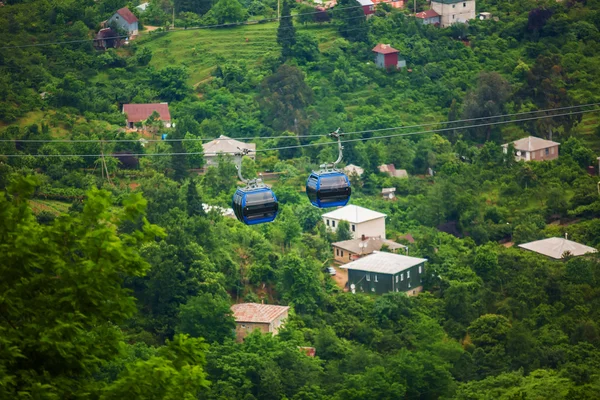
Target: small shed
<point>391,170</point>
<point>485,15</point>
<point>388,193</point>
<point>428,17</point>
<point>367,6</point>
<point>388,57</point>
<point>353,169</point>
<point>107,38</point>
<point>125,20</point>
<point>266,318</point>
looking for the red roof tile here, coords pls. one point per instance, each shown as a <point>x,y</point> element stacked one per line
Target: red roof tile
<point>427,14</point>
<point>259,313</point>
<point>127,15</point>
<point>384,49</point>
<point>141,112</point>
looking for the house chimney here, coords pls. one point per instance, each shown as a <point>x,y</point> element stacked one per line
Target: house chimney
<point>566,236</point>
<point>363,238</point>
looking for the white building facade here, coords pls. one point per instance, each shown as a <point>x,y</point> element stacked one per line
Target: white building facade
<point>363,222</point>
<point>454,11</point>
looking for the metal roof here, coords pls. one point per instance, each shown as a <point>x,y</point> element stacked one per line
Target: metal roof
<point>226,144</point>
<point>354,214</point>
<point>532,143</point>
<point>555,247</point>
<point>127,15</point>
<point>257,313</point>
<point>384,49</point>
<point>369,245</point>
<point>384,263</point>
<point>365,2</point>
<point>351,168</point>
<point>141,112</point>
<point>427,14</point>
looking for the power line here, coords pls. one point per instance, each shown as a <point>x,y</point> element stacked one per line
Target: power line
<point>315,144</point>
<point>305,136</point>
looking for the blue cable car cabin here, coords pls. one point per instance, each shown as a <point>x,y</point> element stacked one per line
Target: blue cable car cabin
<point>255,205</point>
<point>328,189</point>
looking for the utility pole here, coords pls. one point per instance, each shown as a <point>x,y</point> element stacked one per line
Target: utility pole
<point>415,7</point>
<point>278,14</point>
<point>173,16</point>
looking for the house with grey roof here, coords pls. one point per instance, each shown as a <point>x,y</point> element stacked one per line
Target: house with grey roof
<point>227,146</point>
<point>267,318</point>
<point>383,272</point>
<point>363,222</point>
<point>353,169</point>
<point>533,148</point>
<point>353,249</point>
<point>557,247</point>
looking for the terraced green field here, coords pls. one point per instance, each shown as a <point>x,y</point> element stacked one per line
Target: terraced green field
<point>199,49</point>
<point>55,207</point>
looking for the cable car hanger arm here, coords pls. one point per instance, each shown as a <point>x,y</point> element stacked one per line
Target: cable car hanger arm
<point>337,134</point>
<point>256,182</point>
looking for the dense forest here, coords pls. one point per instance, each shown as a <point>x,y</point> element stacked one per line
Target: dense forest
<point>116,282</point>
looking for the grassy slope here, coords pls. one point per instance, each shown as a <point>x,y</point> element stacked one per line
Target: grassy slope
<point>55,207</point>
<point>199,49</point>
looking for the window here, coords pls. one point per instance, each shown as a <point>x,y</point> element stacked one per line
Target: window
<point>396,278</point>
<point>420,268</point>
<point>396,289</point>
<point>408,284</point>
<point>376,278</point>
<point>401,277</point>
<point>349,256</point>
<point>453,5</point>
<point>342,252</point>
<point>368,277</point>
<point>547,151</point>
<point>337,252</point>
<point>407,274</point>
<point>243,326</point>
<point>453,17</point>
<point>372,289</point>
<point>353,228</point>
<point>464,4</point>
<point>327,222</point>
<point>333,223</point>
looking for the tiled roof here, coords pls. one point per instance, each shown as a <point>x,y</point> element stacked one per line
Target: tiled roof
<point>427,14</point>
<point>384,49</point>
<point>392,171</point>
<point>226,145</point>
<point>258,313</point>
<point>532,143</point>
<point>369,245</point>
<point>354,214</point>
<point>351,168</point>
<point>365,2</point>
<point>385,263</point>
<point>127,15</point>
<point>555,247</point>
<point>141,112</point>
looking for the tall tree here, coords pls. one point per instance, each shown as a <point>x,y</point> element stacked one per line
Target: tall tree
<point>207,316</point>
<point>351,20</point>
<point>286,33</point>
<point>193,200</point>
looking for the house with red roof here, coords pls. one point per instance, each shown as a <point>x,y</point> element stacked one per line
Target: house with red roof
<point>387,57</point>
<point>124,20</point>
<point>267,318</point>
<point>367,6</point>
<point>141,112</point>
<point>428,17</point>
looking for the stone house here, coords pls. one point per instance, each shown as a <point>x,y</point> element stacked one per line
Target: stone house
<point>267,318</point>
<point>454,11</point>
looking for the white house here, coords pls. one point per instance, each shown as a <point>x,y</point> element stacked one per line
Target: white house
<point>225,145</point>
<point>454,11</point>
<point>363,222</point>
<point>124,19</point>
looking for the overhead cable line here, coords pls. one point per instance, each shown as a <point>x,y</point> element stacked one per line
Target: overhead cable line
<point>314,144</point>
<point>308,136</point>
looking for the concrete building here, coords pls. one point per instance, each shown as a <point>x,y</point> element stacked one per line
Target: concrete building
<point>266,318</point>
<point>383,272</point>
<point>350,250</point>
<point>363,222</point>
<point>534,149</point>
<point>124,20</point>
<point>388,193</point>
<point>557,247</point>
<point>454,11</point>
<point>225,145</point>
<point>353,169</point>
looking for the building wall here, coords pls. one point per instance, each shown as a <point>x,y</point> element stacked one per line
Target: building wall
<point>380,60</point>
<point>277,323</point>
<point>406,281</point>
<point>431,21</point>
<point>368,10</point>
<point>242,329</point>
<point>455,12</point>
<point>343,256</point>
<point>122,24</point>
<point>373,228</point>
<point>391,60</point>
<point>551,153</point>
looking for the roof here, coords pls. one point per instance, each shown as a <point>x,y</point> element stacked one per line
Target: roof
<point>106,33</point>
<point>393,3</point>
<point>141,112</point>
<point>532,143</point>
<point>127,15</point>
<point>354,214</point>
<point>388,190</point>
<point>385,263</point>
<point>449,1</point>
<point>365,2</point>
<point>408,237</point>
<point>258,313</point>
<point>142,7</point>
<point>353,169</point>
<point>427,14</point>
<point>359,246</point>
<point>384,49</point>
<point>555,247</point>
<point>226,144</point>
<point>392,171</point>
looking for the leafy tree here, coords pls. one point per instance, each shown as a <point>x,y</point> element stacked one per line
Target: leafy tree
<point>196,6</point>
<point>286,33</point>
<point>343,231</point>
<point>351,21</point>
<point>207,316</point>
<point>62,292</point>
<point>306,48</point>
<point>299,283</point>
<point>193,200</point>
<point>228,11</point>
<point>284,97</point>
